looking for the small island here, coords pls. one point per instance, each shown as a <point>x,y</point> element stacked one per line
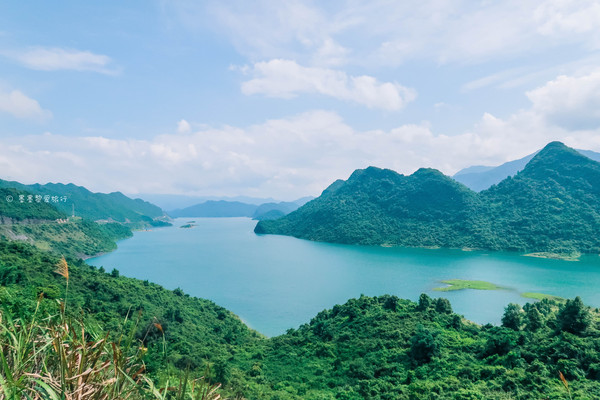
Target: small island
<point>541,296</point>
<point>187,226</point>
<point>460,284</point>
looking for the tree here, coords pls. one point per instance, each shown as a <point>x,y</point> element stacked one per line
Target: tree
<point>574,317</point>
<point>442,306</point>
<point>391,303</point>
<point>533,319</point>
<point>424,302</point>
<point>513,317</point>
<point>424,345</point>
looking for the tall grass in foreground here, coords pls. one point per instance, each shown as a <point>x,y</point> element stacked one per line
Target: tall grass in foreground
<point>55,357</point>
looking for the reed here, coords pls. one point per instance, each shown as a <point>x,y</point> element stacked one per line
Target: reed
<point>565,384</point>
<point>57,357</point>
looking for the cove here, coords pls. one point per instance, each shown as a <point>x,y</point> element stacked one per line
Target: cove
<point>274,283</point>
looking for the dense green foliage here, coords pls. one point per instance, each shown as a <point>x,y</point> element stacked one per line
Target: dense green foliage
<point>77,238</point>
<point>387,348</point>
<point>480,178</point>
<point>93,206</point>
<point>382,207</point>
<point>195,330</point>
<point>553,205</point>
<point>40,219</point>
<point>368,348</point>
<point>13,210</point>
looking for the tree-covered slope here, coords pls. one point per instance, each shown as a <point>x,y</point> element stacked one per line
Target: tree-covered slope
<point>195,330</point>
<point>274,210</point>
<point>12,209</point>
<point>388,348</point>
<point>381,207</point>
<point>78,238</point>
<point>93,206</point>
<point>480,178</point>
<point>550,206</point>
<point>368,348</point>
<point>40,223</point>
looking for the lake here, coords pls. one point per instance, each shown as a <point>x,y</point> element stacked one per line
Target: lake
<point>274,283</point>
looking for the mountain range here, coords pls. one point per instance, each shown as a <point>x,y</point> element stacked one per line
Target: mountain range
<point>69,219</point>
<point>223,208</point>
<point>481,177</point>
<point>376,348</point>
<point>72,199</point>
<point>552,205</point>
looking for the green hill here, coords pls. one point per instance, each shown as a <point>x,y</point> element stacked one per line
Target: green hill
<point>196,330</point>
<point>93,206</point>
<point>381,207</point>
<point>40,223</point>
<point>15,207</point>
<point>553,205</point>
<point>274,210</point>
<point>481,177</point>
<point>368,348</point>
<point>220,208</point>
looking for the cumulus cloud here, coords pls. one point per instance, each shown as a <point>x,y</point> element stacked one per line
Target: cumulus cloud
<point>284,158</point>
<point>287,79</point>
<point>56,58</point>
<point>20,105</point>
<point>183,126</point>
<point>572,102</point>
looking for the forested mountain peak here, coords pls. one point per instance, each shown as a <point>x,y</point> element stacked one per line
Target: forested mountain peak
<point>553,205</point>
<point>564,164</point>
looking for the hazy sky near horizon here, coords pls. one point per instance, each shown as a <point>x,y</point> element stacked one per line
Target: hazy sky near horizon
<point>280,98</point>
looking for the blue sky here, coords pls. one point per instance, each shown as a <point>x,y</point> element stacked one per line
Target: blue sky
<point>280,98</point>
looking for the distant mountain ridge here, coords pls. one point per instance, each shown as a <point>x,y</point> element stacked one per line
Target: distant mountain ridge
<point>93,206</point>
<point>171,202</point>
<point>481,177</point>
<point>223,208</point>
<point>552,205</point>
<point>213,208</point>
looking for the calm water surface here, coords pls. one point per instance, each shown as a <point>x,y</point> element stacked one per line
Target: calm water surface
<point>275,282</point>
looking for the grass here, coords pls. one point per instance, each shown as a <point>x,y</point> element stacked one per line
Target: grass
<point>460,284</point>
<point>541,296</point>
<point>45,356</point>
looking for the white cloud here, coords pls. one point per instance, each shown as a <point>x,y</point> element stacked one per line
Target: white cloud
<point>286,79</point>
<point>55,58</point>
<point>20,105</point>
<point>284,158</point>
<point>183,126</point>
<point>572,102</point>
<point>390,33</point>
<point>556,18</point>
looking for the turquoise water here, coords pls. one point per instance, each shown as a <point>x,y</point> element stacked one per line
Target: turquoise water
<point>275,282</point>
